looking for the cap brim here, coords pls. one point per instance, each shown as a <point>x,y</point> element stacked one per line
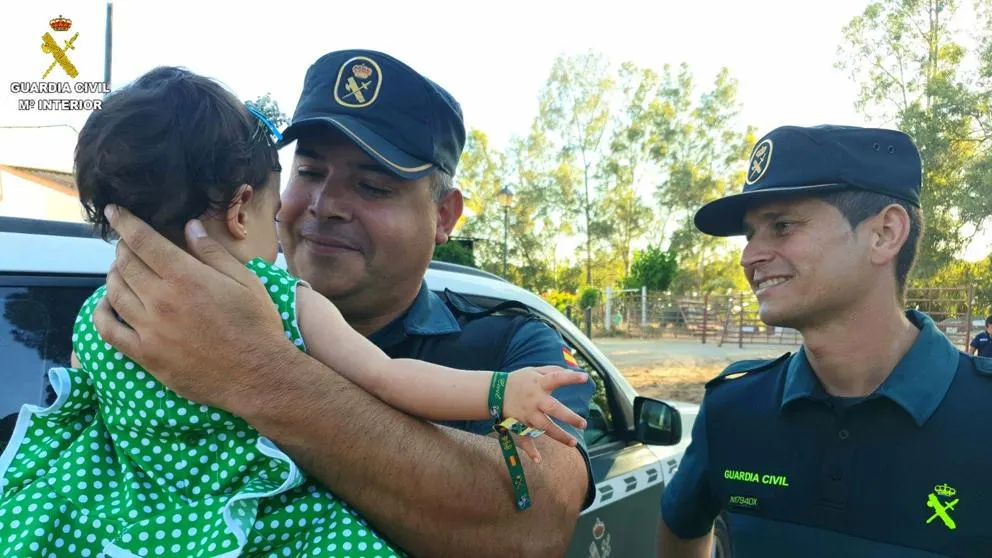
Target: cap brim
<point>725,216</point>
<point>389,156</point>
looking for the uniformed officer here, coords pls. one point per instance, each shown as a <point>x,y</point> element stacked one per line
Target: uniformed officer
<point>369,196</point>
<point>873,439</point>
<point>982,343</point>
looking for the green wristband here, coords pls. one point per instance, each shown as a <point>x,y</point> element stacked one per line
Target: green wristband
<point>497,389</point>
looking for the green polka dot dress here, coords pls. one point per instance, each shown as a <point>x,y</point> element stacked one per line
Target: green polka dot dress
<point>120,466</point>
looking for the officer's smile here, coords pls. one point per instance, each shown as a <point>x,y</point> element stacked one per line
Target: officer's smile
<point>328,245</point>
<point>763,285</point>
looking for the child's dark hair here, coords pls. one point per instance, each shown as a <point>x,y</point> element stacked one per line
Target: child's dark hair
<point>168,147</point>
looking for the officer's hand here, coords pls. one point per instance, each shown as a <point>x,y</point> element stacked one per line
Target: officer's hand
<point>196,325</point>
<point>528,399</point>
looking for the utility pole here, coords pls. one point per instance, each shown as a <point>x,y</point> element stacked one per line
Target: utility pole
<point>108,45</point>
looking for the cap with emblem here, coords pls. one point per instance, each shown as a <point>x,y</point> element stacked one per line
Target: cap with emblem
<point>797,161</point>
<point>403,120</point>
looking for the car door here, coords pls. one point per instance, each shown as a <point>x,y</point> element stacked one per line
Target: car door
<point>623,519</point>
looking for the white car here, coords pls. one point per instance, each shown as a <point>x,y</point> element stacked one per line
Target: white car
<point>47,269</point>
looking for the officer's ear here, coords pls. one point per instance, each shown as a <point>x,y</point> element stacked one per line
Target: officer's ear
<point>449,211</point>
<point>889,231</point>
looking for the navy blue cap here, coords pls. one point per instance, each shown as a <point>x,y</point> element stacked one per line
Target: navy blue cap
<point>400,118</point>
<point>798,161</point>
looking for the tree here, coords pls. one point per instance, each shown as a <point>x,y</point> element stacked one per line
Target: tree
<point>914,74</point>
<point>652,268</point>
<point>625,216</point>
<point>543,180</point>
<point>574,108</point>
<point>607,267</point>
<point>701,150</point>
<point>480,171</point>
<point>578,172</point>
<point>567,276</point>
<point>266,105</point>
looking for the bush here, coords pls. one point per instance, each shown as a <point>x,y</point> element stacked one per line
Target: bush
<point>454,252</point>
<point>560,299</point>
<point>590,297</point>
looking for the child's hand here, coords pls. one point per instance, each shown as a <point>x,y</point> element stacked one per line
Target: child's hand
<point>528,399</point>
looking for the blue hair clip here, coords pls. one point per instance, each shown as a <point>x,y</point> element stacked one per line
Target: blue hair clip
<point>277,136</point>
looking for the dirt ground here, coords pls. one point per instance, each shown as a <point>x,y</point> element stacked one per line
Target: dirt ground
<point>679,383</point>
<point>677,369</point>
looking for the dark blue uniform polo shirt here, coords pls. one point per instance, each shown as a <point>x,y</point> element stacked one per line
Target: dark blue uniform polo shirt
<point>983,342</point>
<point>902,472</point>
<point>533,344</point>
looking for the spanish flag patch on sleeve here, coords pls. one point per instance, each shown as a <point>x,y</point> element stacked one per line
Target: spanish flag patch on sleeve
<point>566,353</point>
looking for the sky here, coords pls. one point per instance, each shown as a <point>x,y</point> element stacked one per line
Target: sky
<point>493,59</point>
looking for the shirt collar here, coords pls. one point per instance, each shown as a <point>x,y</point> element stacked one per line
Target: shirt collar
<point>428,315</point>
<point>917,384</point>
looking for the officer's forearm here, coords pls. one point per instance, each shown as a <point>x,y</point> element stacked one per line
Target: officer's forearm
<point>434,491</point>
<point>670,546</point>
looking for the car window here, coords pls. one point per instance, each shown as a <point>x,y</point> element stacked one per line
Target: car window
<point>35,335</point>
<point>600,429</point>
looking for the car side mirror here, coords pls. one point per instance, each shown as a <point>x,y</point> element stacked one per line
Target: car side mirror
<point>656,423</point>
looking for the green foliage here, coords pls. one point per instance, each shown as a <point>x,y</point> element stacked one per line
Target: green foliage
<point>561,300</point>
<point>652,268</point>
<point>568,277</point>
<point>590,297</point>
<point>480,179</point>
<point>722,275</point>
<point>701,150</point>
<point>604,139</point>
<point>574,108</point>
<point>623,217</point>
<point>266,105</point>
<point>454,252</point>
<point>927,71</point>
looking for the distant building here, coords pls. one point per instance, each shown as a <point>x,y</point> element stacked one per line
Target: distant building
<point>36,160</point>
<point>39,194</point>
